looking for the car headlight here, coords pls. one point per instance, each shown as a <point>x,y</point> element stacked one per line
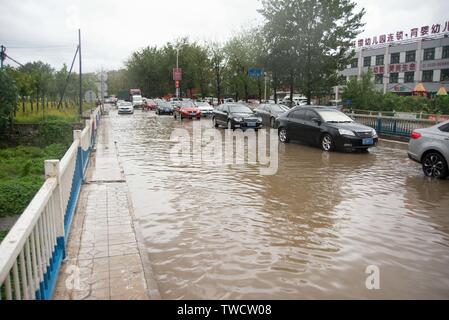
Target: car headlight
<point>374,133</point>
<point>238,119</point>
<point>345,132</point>
<point>259,119</point>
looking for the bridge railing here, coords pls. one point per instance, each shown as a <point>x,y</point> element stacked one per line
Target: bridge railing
<point>391,125</point>
<point>32,252</point>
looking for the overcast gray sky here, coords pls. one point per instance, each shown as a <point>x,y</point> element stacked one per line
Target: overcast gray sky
<point>111,30</point>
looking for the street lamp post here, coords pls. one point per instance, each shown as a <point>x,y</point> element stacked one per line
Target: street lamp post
<point>177,67</point>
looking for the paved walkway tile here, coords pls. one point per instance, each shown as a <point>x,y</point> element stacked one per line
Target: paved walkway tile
<point>103,260</point>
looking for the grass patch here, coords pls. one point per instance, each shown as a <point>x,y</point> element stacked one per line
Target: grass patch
<point>3,234</point>
<point>50,114</point>
<point>22,175</point>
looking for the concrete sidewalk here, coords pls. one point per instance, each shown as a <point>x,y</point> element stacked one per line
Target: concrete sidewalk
<point>105,258</point>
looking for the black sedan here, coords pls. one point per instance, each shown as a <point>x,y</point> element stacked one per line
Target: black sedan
<point>164,107</point>
<point>269,113</point>
<point>325,127</point>
<point>234,115</point>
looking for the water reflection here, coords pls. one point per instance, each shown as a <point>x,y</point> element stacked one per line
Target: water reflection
<point>309,231</point>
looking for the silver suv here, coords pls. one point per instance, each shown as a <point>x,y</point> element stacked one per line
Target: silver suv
<point>430,147</point>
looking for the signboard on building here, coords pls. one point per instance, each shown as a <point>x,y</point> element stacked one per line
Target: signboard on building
<point>424,31</point>
<point>435,64</point>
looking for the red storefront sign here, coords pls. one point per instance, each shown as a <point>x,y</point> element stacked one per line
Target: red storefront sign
<point>177,74</point>
<point>392,68</point>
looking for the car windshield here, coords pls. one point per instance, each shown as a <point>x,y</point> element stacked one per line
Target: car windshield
<point>334,116</point>
<point>202,104</point>
<point>240,109</point>
<point>137,98</point>
<point>165,104</point>
<point>276,108</point>
<point>187,104</point>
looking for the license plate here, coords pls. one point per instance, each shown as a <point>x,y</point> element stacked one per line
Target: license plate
<point>167,110</point>
<point>367,142</point>
<point>193,114</point>
<point>250,124</point>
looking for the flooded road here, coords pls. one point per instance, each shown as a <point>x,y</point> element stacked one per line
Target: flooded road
<point>309,231</point>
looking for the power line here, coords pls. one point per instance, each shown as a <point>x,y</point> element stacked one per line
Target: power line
<point>7,56</point>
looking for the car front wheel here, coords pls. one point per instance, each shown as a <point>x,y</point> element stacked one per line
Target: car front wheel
<point>283,136</point>
<point>327,143</point>
<point>434,165</point>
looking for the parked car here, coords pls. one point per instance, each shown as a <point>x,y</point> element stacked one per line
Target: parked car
<point>126,108</point>
<point>149,105</point>
<point>205,108</point>
<point>269,113</point>
<point>186,109</point>
<point>234,115</point>
<point>164,107</point>
<point>430,148</point>
<point>325,127</point>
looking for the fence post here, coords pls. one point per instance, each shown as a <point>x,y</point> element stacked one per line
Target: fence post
<point>52,170</point>
<point>77,136</point>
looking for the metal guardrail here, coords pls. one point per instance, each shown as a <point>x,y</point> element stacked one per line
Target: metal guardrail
<point>393,126</point>
<point>32,252</point>
<point>401,115</point>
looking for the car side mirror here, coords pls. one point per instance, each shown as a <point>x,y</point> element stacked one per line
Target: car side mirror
<point>317,121</point>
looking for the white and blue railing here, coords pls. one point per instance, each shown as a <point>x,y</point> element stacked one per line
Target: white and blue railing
<point>32,252</point>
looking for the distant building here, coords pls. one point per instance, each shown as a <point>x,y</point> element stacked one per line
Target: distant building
<point>399,66</point>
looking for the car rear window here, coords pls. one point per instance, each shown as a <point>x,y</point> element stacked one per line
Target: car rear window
<point>444,128</point>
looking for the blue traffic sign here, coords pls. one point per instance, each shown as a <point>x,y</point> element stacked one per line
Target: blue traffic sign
<point>255,72</point>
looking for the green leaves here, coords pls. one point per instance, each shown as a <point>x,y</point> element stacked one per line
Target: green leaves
<point>309,40</point>
<point>8,97</point>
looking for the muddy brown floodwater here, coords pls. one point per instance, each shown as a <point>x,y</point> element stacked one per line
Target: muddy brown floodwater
<point>310,231</point>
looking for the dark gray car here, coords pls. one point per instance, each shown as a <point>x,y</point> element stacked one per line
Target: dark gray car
<point>269,113</point>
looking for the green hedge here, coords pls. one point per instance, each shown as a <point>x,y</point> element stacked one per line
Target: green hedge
<point>22,174</point>
<point>15,195</point>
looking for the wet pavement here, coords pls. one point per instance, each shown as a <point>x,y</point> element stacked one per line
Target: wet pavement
<point>103,255</point>
<point>309,231</point>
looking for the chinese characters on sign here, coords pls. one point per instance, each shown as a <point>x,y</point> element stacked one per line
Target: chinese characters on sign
<point>433,29</point>
<point>392,68</point>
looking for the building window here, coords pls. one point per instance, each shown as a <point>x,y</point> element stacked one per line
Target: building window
<point>409,77</point>
<point>367,62</point>
<point>343,80</point>
<point>410,56</point>
<point>394,77</point>
<point>445,52</point>
<point>429,54</point>
<point>380,60</point>
<point>395,57</point>
<point>427,76</point>
<point>444,75</point>
<point>379,79</point>
<point>355,63</point>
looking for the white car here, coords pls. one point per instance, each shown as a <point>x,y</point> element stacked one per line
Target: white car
<point>205,108</point>
<point>125,108</point>
<point>138,102</point>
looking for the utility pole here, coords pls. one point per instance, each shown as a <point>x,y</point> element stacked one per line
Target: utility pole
<point>81,74</point>
<point>265,89</point>
<point>2,55</point>
<point>177,67</point>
